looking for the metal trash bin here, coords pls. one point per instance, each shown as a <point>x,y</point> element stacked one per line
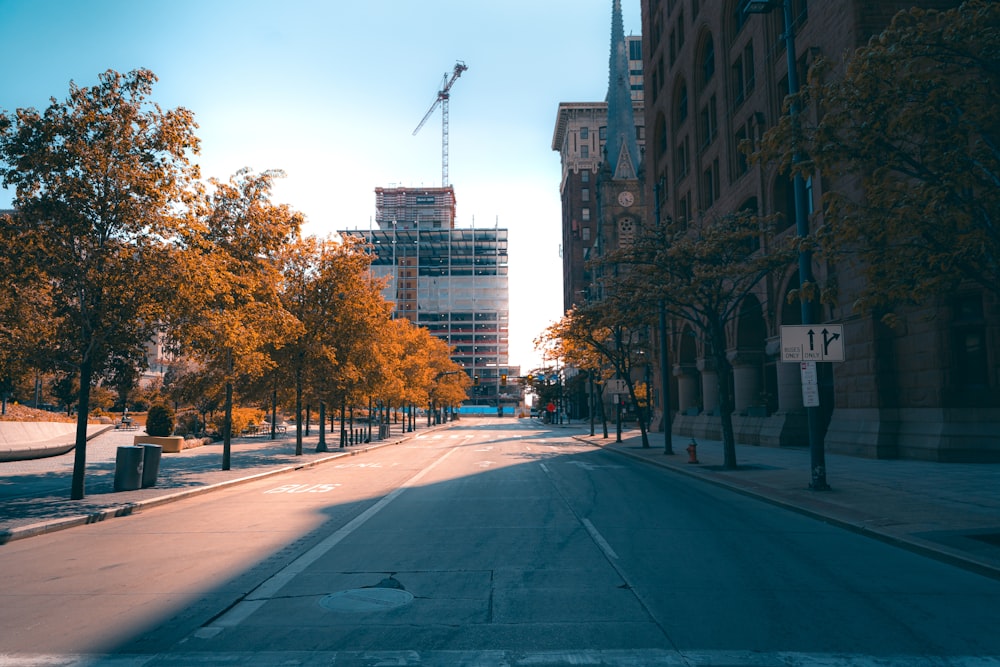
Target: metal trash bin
<point>128,468</point>
<point>150,464</point>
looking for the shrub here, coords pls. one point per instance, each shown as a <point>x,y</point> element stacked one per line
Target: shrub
<point>243,417</point>
<point>160,420</point>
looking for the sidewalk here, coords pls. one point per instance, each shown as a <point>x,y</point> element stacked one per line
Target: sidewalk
<point>949,511</point>
<point>34,494</point>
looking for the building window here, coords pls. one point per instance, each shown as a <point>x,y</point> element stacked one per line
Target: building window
<point>585,194</point>
<point>708,125</point>
<point>634,49</point>
<point>584,151</point>
<point>584,132</point>
<point>969,344</point>
<point>743,75</point>
<point>741,165</point>
<point>585,233</point>
<point>707,61</point>
<point>626,231</point>
<point>682,158</point>
<point>710,185</point>
<point>585,214</point>
<point>682,210</point>
<point>681,105</point>
<point>585,176</point>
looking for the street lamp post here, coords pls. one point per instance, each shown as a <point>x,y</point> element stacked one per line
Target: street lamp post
<point>817,458</point>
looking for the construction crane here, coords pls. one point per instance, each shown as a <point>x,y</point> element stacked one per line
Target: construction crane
<point>442,99</point>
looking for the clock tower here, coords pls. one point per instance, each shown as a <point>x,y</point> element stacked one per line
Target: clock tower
<point>619,181</point>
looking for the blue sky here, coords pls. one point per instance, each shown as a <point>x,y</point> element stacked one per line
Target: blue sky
<point>331,91</point>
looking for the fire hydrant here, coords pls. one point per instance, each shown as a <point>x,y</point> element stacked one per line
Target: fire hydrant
<point>692,451</point>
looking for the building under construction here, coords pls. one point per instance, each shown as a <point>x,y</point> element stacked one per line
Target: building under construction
<point>453,282</point>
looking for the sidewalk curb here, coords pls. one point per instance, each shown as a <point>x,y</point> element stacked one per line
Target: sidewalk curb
<point>127,509</point>
<point>762,493</point>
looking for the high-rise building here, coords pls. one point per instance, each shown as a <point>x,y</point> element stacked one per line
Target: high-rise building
<point>451,281</point>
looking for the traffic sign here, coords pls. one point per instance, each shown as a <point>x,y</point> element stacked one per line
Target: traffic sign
<point>812,342</point>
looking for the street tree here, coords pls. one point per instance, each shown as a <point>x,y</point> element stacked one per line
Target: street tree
<point>911,117</point>
<point>27,343</point>
<point>449,383</point>
<point>228,311</point>
<point>98,179</point>
<point>612,334</point>
<point>349,367</point>
<point>700,272</point>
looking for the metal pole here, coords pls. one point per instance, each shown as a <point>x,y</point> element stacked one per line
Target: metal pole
<point>817,457</point>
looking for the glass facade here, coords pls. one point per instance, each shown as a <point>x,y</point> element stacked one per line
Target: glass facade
<point>453,282</point>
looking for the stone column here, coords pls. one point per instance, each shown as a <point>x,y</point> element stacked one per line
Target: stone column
<point>789,387</point>
<point>746,379</point>
<point>687,387</point>
<point>709,386</point>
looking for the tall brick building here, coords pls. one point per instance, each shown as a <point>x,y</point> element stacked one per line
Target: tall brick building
<point>927,389</point>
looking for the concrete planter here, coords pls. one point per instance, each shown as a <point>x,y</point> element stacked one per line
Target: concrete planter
<point>171,443</point>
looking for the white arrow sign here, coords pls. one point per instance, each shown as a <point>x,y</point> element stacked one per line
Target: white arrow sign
<point>812,342</point>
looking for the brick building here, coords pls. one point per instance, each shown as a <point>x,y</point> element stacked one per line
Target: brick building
<point>928,389</point>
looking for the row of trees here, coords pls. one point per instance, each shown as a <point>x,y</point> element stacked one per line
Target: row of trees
<point>117,240</point>
<point>905,136</point>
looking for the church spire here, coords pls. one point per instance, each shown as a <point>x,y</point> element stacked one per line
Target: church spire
<point>621,149</point>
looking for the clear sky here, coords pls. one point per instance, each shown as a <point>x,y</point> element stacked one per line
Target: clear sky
<point>330,91</point>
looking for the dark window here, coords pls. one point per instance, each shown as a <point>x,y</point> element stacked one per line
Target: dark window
<point>969,344</point>
<point>708,60</point>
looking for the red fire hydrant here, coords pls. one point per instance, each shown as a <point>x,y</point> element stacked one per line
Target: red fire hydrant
<point>692,451</point>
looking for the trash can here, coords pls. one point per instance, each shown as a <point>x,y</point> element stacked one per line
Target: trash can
<point>150,464</point>
<point>128,468</point>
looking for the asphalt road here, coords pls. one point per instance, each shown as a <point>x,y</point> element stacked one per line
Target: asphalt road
<point>488,543</point>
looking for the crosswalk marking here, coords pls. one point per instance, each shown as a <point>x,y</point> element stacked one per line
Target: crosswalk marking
<point>503,658</point>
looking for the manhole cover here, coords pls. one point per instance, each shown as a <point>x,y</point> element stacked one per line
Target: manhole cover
<point>366,599</point>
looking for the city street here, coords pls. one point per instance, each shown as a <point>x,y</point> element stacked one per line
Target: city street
<point>489,542</point>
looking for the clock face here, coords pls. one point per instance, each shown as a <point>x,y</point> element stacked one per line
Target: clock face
<point>626,198</point>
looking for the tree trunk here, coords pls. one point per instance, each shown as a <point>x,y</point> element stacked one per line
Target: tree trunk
<point>298,411</point>
<point>724,369</point>
<point>77,487</point>
<point>227,428</point>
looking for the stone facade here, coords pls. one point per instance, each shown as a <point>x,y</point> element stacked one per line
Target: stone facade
<point>928,388</point>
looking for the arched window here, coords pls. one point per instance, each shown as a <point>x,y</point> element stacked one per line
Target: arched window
<point>680,104</point>
<point>660,138</point>
<point>707,60</point>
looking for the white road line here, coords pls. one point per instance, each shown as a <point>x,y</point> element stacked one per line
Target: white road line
<point>270,588</point>
<point>601,542</point>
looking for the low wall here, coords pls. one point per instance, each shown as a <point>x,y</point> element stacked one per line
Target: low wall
<point>33,440</point>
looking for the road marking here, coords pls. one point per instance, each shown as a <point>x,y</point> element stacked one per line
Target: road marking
<point>587,465</point>
<point>485,464</point>
<point>269,588</point>
<point>304,488</point>
<point>597,537</point>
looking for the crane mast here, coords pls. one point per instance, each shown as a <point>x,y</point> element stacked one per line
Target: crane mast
<point>442,100</point>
